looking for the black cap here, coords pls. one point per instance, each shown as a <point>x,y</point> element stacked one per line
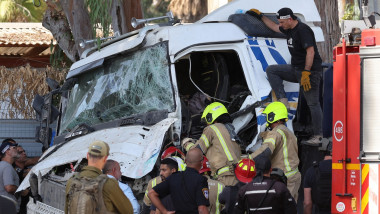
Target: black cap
<point>285,13</point>
<point>262,163</point>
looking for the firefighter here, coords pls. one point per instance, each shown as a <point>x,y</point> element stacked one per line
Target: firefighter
<point>244,172</point>
<point>280,145</point>
<point>218,143</point>
<point>214,186</point>
<point>263,194</point>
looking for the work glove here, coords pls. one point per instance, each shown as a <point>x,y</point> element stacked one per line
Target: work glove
<point>187,143</point>
<point>305,80</point>
<point>255,12</point>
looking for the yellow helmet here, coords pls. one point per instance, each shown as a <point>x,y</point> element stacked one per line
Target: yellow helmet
<point>275,112</point>
<point>213,111</point>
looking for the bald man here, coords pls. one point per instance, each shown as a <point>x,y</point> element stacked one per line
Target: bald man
<point>112,170</point>
<point>188,189</point>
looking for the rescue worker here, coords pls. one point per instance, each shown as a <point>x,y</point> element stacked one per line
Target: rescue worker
<point>244,172</point>
<point>169,152</point>
<point>218,143</point>
<point>317,184</point>
<point>280,145</point>
<point>214,186</point>
<point>188,189</point>
<point>305,67</point>
<point>78,191</point>
<point>263,194</point>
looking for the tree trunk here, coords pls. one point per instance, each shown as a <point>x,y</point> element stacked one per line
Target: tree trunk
<point>79,20</point>
<point>131,8</point>
<point>330,27</point>
<point>189,10</point>
<point>57,24</point>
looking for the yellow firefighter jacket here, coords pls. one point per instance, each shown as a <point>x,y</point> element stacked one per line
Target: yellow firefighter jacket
<point>220,151</point>
<point>284,149</point>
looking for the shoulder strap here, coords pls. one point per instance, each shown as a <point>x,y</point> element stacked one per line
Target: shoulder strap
<point>102,179</point>
<point>263,198</point>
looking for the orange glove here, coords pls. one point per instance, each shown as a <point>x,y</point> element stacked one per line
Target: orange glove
<point>255,12</point>
<point>305,80</point>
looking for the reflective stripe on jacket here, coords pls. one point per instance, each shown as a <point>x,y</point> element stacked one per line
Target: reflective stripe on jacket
<point>284,149</point>
<point>218,147</point>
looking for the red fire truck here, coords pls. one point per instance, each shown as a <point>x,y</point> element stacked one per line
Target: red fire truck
<point>356,136</point>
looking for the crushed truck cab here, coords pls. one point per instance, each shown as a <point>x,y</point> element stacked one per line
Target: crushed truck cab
<point>146,89</point>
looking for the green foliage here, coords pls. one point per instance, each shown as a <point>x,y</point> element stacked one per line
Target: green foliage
<point>100,16</point>
<point>151,10</point>
<point>21,11</point>
<point>58,58</point>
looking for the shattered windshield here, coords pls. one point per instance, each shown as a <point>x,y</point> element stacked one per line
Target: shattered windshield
<point>125,85</point>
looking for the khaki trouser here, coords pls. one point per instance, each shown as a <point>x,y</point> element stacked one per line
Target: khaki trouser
<point>227,180</point>
<point>294,183</point>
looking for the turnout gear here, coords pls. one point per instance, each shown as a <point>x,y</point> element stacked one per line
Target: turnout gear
<point>213,111</point>
<point>215,188</point>
<point>305,80</point>
<point>181,164</point>
<point>187,143</point>
<point>152,183</point>
<point>275,112</point>
<point>245,170</point>
<point>221,152</point>
<point>280,144</point>
<point>172,151</point>
<point>85,195</point>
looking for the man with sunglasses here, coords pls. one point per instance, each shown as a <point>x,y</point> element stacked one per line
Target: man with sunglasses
<point>9,180</point>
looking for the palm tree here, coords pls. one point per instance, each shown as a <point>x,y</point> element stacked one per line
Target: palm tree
<point>22,10</point>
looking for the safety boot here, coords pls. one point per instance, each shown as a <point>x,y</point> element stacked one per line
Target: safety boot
<point>315,140</point>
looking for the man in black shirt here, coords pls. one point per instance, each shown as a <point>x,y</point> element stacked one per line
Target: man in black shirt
<point>188,189</point>
<point>305,67</point>
<point>317,184</point>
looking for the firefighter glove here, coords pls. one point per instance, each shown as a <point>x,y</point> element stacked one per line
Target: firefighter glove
<point>255,12</point>
<point>305,80</point>
<point>187,143</point>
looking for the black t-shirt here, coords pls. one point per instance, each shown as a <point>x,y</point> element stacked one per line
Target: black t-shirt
<point>167,202</point>
<point>187,189</point>
<point>325,167</point>
<point>299,39</point>
<point>309,180</point>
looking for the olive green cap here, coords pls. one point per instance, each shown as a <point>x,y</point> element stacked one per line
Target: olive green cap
<point>99,148</point>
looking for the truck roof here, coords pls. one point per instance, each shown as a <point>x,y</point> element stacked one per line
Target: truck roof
<point>213,28</point>
<point>304,8</point>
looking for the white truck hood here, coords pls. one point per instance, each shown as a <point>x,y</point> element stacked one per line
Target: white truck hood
<point>136,148</point>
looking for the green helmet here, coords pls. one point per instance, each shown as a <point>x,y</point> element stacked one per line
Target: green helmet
<point>213,111</point>
<point>275,112</point>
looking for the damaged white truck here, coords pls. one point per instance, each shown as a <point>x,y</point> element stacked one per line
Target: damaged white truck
<point>145,90</point>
